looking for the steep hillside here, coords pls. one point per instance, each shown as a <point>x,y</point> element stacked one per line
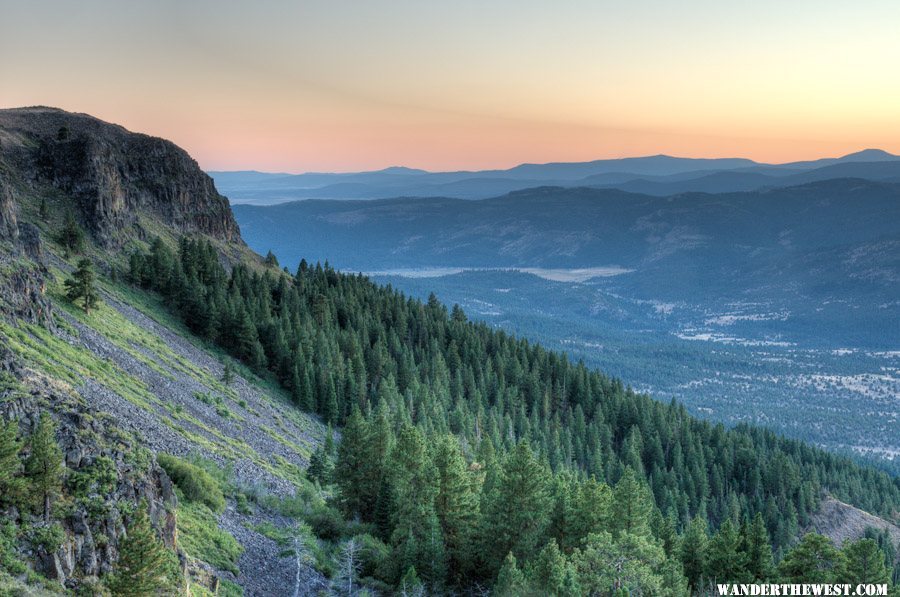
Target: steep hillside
<point>156,403</point>
<point>127,381</point>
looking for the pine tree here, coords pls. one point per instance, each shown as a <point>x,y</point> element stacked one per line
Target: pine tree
<point>228,373</point>
<point>510,580</point>
<point>145,565</point>
<point>80,286</point>
<point>517,511</point>
<point>410,585</point>
<point>631,506</point>
<point>864,563</point>
<point>351,467</point>
<point>813,560</point>
<point>694,551</point>
<point>44,465</point>
<point>417,538</point>
<point>724,560</point>
<point>456,506</point>
<point>44,210</point>
<point>553,574</point>
<point>631,565</point>
<point>320,466</point>
<point>71,236</point>
<point>758,550</point>
<point>11,485</point>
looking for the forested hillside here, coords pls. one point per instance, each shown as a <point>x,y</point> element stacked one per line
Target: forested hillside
<point>467,450</point>
<point>155,380</point>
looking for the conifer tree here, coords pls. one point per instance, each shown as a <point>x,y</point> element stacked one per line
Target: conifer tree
<point>351,467</point>
<point>632,565</point>
<point>44,210</point>
<point>694,551</point>
<point>11,485</point>
<point>320,466</point>
<point>510,580</point>
<point>553,574</point>
<point>417,538</point>
<point>71,236</point>
<point>455,505</point>
<point>813,560</point>
<point>81,286</point>
<point>44,465</point>
<point>758,550</point>
<point>631,506</point>
<point>724,559</point>
<point>145,565</point>
<point>410,585</point>
<point>516,513</point>
<point>864,563</point>
<point>228,373</point>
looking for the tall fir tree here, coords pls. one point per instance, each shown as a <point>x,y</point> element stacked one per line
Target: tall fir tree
<point>864,563</point>
<point>516,513</point>
<point>724,558</point>
<point>694,548</point>
<point>417,538</point>
<point>11,484</point>
<point>510,580</point>
<point>758,550</point>
<point>44,465</point>
<point>145,565</point>
<point>82,286</point>
<point>456,506</point>
<point>350,469</point>
<point>631,505</point>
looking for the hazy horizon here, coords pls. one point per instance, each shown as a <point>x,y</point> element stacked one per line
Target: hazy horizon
<point>320,87</point>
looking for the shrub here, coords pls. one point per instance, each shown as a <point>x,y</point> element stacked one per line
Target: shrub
<point>326,522</point>
<point>372,555</point>
<point>195,483</point>
<point>50,537</point>
<point>243,504</point>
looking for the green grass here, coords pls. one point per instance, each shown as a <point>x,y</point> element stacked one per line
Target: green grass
<point>196,484</point>
<point>200,537</point>
<point>72,364</point>
<point>229,589</point>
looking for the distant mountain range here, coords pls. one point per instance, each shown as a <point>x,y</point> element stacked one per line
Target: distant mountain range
<point>654,175</point>
<point>815,248</point>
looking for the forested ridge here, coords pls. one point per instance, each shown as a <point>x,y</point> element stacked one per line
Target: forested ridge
<point>476,459</point>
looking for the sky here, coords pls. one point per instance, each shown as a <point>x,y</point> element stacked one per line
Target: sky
<point>332,85</point>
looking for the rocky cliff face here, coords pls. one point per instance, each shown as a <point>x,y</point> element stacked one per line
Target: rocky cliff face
<point>106,471</point>
<point>113,177</point>
<point>9,228</point>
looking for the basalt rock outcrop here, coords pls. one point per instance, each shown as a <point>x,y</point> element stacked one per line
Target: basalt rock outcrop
<point>118,182</point>
<point>107,474</point>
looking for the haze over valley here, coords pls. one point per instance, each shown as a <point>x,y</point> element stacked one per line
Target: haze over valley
<point>746,305</point>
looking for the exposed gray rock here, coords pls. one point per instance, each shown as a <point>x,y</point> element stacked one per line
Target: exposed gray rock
<point>113,176</point>
<point>9,227</point>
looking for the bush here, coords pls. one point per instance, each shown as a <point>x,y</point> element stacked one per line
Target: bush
<point>372,555</point>
<point>9,560</point>
<point>49,537</point>
<point>243,504</point>
<point>195,483</point>
<point>326,522</point>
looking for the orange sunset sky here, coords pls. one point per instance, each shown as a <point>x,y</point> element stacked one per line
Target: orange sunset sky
<point>341,86</point>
